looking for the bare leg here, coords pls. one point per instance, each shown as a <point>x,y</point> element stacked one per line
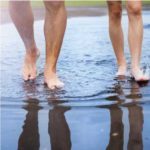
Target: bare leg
<point>54,28</point>
<point>22,17</point>
<point>135,37</point>
<point>116,34</point>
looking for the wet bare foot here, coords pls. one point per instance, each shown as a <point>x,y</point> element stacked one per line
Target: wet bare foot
<point>29,71</point>
<point>51,80</point>
<point>122,70</point>
<point>138,75</point>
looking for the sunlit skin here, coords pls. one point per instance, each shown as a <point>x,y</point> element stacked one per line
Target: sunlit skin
<point>54,28</point>
<point>135,36</point>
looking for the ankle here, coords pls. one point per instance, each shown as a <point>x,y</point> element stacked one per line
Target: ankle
<point>50,69</point>
<point>32,51</point>
<point>123,65</point>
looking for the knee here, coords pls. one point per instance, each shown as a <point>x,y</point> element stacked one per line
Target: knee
<point>134,9</point>
<point>53,6</point>
<point>115,14</point>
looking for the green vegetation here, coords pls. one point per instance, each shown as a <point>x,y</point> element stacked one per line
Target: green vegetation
<point>73,3</point>
<point>85,3</point>
<point>39,4</point>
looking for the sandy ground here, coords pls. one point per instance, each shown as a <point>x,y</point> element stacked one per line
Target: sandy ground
<point>72,12</point>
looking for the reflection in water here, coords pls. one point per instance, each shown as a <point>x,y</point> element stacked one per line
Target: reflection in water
<point>136,125</point>
<point>116,130</point>
<point>135,120</point>
<point>58,129</point>
<point>29,138</point>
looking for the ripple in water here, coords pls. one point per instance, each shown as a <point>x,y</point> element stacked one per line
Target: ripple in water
<point>87,66</point>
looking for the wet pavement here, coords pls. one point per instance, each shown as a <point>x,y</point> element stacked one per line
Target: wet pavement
<point>93,111</point>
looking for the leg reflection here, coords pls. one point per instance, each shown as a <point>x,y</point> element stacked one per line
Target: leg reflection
<point>135,119</point>
<point>116,131</point>
<point>29,138</point>
<point>136,126</point>
<point>58,129</point>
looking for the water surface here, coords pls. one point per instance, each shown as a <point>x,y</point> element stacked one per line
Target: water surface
<point>93,111</point>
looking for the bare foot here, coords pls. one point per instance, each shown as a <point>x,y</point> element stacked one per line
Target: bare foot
<point>138,75</point>
<point>121,70</point>
<point>29,71</point>
<point>51,79</point>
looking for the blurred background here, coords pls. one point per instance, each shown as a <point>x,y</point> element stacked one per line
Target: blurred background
<point>74,8</point>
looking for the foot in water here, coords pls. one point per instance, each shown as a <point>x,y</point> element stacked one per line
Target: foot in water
<point>29,70</point>
<point>122,71</point>
<point>139,75</point>
<point>51,79</point>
